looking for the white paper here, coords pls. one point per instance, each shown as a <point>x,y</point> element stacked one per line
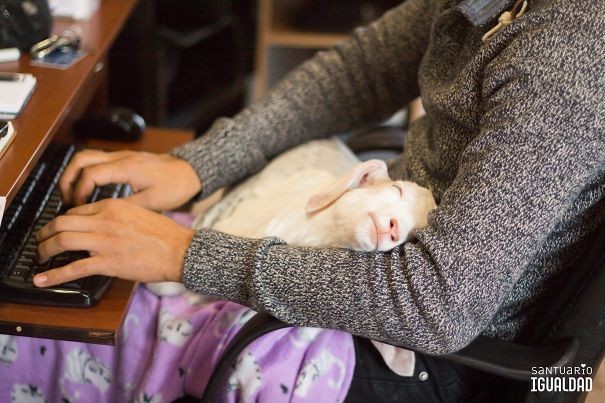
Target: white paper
<point>2,204</point>
<point>15,94</point>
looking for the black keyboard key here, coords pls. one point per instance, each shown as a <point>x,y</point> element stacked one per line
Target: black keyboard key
<point>26,261</point>
<point>29,257</point>
<point>95,195</point>
<point>31,248</point>
<point>12,214</point>
<point>19,272</point>
<point>108,192</point>
<point>41,267</point>
<point>61,260</point>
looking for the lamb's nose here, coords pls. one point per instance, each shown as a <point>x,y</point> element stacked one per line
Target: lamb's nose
<point>394,230</point>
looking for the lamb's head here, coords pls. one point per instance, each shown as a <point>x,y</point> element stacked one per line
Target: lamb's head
<point>369,211</point>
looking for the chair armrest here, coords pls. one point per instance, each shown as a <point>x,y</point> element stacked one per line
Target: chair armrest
<point>378,138</point>
<point>513,361</point>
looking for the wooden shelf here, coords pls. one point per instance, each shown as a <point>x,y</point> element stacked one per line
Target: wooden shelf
<point>278,42</point>
<point>281,47</point>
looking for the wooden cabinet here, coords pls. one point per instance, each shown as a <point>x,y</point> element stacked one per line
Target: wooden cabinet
<point>281,47</point>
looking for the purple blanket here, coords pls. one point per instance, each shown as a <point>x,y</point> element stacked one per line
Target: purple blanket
<point>168,348</point>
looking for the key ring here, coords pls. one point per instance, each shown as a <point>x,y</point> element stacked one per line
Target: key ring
<point>67,41</point>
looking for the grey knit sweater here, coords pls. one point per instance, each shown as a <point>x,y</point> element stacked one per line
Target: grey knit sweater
<point>512,146</point>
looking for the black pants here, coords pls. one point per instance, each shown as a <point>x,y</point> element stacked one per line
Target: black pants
<point>435,380</point>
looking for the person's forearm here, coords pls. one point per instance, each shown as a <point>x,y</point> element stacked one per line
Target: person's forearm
<point>370,294</point>
<point>359,82</point>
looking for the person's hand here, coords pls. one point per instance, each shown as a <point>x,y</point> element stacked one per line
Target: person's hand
<point>124,240</point>
<point>159,181</point>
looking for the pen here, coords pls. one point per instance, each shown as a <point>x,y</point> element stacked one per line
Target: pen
<point>10,77</point>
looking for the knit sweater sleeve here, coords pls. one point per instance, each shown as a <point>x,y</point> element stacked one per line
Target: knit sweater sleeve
<point>531,157</point>
<point>357,83</point>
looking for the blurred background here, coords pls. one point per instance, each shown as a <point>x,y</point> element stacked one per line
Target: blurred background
<point>183,63</point>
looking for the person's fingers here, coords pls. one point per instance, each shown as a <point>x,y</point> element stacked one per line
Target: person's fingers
<point>100,175</point>
<point>67,241</point>
<point>66,223</point>
<point>81,160</point>
<point>73,271</point>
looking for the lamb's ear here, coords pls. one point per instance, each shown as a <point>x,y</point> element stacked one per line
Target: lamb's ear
<point>363,174</point>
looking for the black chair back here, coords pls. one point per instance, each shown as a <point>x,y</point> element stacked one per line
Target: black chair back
<point>578,313</point>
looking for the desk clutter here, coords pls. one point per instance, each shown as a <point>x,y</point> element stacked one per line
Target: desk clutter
<point>58,51</point>
<point>26,26</point>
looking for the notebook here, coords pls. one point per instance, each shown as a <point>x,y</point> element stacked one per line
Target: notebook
<point>2,204</point>
<point>15,91</point>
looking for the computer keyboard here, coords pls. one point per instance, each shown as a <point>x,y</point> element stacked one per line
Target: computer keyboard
<point>35,205</point>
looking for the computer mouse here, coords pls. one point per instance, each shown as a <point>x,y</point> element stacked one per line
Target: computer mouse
<point>117,124</point>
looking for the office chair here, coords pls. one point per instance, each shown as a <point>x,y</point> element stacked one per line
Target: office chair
<point>571,331</point>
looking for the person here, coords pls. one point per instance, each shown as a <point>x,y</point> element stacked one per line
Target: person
<point>512,146</point>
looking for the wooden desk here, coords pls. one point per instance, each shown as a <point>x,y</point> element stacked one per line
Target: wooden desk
<point>63,95</point>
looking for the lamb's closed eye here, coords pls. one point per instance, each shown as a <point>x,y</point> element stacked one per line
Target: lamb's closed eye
<point>399,189</point>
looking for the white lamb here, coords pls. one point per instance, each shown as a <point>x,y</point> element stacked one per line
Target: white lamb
<point>300,201</point>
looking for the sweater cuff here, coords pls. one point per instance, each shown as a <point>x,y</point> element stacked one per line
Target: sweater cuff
<point>225,265</point>
<point>220,157</point>
<point>205,156</point>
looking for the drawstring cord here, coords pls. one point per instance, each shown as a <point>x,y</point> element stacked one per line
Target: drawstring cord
<point>506,18</point>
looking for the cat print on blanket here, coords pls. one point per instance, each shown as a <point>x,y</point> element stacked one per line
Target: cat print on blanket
<point>144,398</point>
<point>317,367</point>
<point>246,377</point>
<point>8,349</point>
<point>82,368</point>
<point>27,394</point>
<point>302,336</point>
<point>173,330</point>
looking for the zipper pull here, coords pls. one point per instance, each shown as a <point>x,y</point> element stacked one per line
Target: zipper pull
<point>506,18</point>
